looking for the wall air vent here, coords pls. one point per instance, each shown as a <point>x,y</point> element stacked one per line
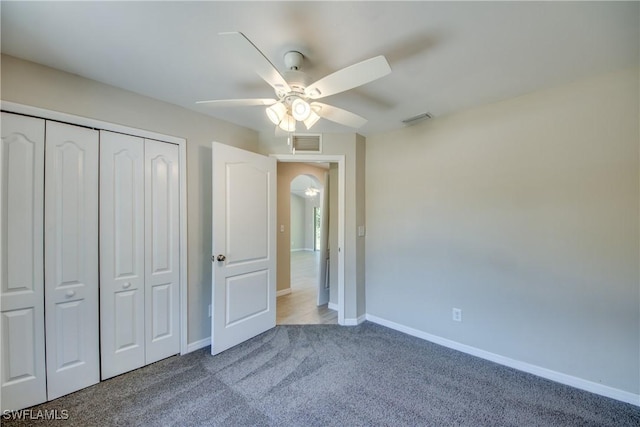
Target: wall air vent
<point>416,119</point>
<point>307,143</point>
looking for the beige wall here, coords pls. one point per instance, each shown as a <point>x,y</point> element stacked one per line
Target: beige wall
<point>352,146</point>
<point>286,173</point>
<point>31,84</point>
<point>309,222</point>
<point>524,214</point>
<point>297,222</point>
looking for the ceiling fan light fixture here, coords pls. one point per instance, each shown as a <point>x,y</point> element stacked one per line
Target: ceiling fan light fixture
<point>288,124</point>
<point>311,192</point>
<point>311,120</point>
<point>295,97</point>
<point>300,109</point>
<point>276,112</point>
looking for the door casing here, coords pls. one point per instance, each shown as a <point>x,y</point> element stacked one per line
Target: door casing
<point>340,160</point>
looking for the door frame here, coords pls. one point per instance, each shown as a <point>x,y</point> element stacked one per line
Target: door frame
<point>340,160</point>
<point>28,110</point>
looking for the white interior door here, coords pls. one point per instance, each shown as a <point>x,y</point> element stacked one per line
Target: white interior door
<point>162,250</point>
<point>21,263</point>
<point>244,223</point>
<point>71,258</point>
<point>121,253</point>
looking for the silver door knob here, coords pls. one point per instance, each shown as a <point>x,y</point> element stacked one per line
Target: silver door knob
<point>70,293</point>
<point>126,285</point>
<point>221,257</point>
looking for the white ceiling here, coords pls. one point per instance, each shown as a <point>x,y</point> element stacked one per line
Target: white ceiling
<point>445,56</point>
<point>301,182</point>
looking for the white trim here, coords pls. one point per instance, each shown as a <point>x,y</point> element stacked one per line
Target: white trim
<point>282,292</point>
<point>332,306</point>
<point>355,322</point>
<point>184,309</point>
<point>342,207</point>
<point>197,345</point>
<point>549,374</point>
<point>29,110</point>
<point>2,237</point>
<point>340,160</point>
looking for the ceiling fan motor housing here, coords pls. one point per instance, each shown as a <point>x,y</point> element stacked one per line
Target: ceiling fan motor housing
<point>293,60</point>
<point>297,81</point>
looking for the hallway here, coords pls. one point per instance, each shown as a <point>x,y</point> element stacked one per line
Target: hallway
<point>299,307</point>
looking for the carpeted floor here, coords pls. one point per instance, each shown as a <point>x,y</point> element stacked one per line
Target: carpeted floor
<point>327,375</point>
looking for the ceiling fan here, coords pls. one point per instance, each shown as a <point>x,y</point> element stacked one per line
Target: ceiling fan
<point>296,98</point>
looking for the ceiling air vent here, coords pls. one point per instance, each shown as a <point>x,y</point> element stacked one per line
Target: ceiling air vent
<point>415,119</point>
<point>307,143</point>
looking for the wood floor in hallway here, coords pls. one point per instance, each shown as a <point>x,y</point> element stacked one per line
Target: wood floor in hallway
<point>299,307</point>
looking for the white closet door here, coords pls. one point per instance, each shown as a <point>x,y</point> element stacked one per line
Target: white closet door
<point>121,253</point>
<point>71,258</point>
<point>162,251</point>
<point>21,263</point>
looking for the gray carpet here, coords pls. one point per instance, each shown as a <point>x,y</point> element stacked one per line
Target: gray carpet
<point>327,375</point>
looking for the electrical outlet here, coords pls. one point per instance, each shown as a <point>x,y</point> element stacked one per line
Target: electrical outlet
<point>456,314</point>
<point>209,310</point>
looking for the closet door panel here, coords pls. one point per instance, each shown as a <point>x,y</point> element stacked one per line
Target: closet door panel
<point>71,258</point>
<point>23,375</point>
<point>121,253</point>
<point>162,252</point>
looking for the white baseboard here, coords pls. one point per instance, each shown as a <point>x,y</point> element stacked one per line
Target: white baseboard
<point>559,377</point>
<point>332,306</point>
<point>197,345</point>
<point>355,322</point>
<point>283,292</point>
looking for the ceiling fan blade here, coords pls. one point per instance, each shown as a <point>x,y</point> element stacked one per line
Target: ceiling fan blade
<point>238,102</point>
<point>353,76</point>
<point>338,115</point>
<point>258,61</point>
